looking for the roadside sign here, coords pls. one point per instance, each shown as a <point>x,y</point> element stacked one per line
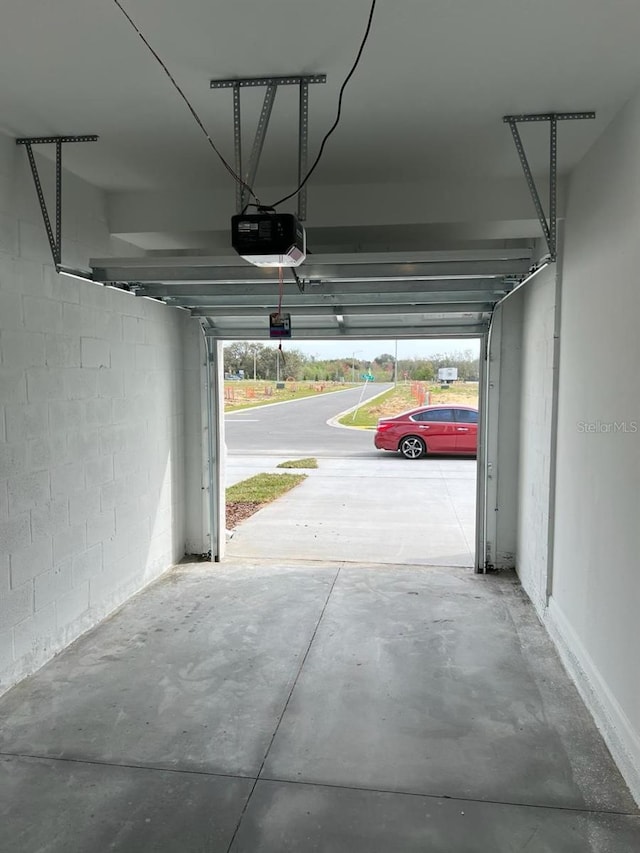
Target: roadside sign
<point>368,377</point>
<point>447,374</point>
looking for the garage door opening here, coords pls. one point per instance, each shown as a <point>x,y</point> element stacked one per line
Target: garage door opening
<point>358,294</point>
<point>318,404</point>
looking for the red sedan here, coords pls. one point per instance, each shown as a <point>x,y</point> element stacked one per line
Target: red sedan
<point>430,429</point>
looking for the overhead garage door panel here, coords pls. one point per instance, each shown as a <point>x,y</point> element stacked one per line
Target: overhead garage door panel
<point>356,295</point>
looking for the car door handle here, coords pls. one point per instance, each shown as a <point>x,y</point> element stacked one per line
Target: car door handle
<point>462,429</point>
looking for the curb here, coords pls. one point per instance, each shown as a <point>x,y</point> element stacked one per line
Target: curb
<point>333,422</point>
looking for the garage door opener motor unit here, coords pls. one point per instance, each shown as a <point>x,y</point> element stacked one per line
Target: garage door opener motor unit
<point>269,239</point>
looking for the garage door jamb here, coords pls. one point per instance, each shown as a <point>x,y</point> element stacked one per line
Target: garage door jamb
<point>215,447</point>
<point>481,482</point>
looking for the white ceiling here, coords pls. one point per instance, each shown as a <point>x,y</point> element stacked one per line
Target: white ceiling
<point>427,100</point>
<point>421,161</point>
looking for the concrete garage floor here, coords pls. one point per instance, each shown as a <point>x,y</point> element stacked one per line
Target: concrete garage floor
<point>379,508</point>
<point>259,707</point>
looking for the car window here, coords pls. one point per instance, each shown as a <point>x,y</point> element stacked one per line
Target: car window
<point>439,415</point>
<point>466,416</point>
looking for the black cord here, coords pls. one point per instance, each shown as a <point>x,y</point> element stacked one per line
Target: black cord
<point>199,122</point>
<point>335,124</point>
<point>261,208</point>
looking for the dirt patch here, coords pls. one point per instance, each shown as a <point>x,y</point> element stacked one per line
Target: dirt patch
<point>392,407</point>
<point>402,402</point>
<point>237,512</point>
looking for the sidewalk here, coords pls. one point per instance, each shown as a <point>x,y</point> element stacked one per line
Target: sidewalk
<point>383,510</point>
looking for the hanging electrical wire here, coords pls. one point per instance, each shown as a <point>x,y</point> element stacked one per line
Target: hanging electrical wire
<point>190,107</point>
<point>212,144</point>
<point>338,114</point>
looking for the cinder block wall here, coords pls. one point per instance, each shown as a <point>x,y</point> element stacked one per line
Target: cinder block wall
<point>91,427</point>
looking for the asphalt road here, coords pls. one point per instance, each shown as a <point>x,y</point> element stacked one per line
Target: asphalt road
<point>300,427</point>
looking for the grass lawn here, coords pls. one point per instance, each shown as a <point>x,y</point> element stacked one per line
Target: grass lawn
<point>410,396</point>
<point>247,497</point>
<point>248,394</point>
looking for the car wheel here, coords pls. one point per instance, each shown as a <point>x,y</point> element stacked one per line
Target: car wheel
<point>412,447</point>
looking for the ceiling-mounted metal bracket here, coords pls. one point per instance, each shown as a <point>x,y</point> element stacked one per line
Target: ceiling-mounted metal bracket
<point>549,226</point>
<point>271,84</point>
<point>55,241</point>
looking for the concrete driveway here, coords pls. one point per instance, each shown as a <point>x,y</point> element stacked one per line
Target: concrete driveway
<point>382,509</point>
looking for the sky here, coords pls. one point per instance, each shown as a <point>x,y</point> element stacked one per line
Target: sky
<point>368,349</point>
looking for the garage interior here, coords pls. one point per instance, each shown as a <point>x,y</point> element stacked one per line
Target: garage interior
<point>465,711</point>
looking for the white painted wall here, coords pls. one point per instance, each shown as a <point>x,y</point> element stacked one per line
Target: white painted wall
<point>91,428</point>
<point>536,412</point>
<point>594,576</point>
<point>595,603</point>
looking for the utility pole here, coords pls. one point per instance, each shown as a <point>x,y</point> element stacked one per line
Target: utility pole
<point>353,366</point>
<point>395,366</point>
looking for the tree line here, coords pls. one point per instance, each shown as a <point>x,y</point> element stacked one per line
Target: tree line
<point>260,361</point>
